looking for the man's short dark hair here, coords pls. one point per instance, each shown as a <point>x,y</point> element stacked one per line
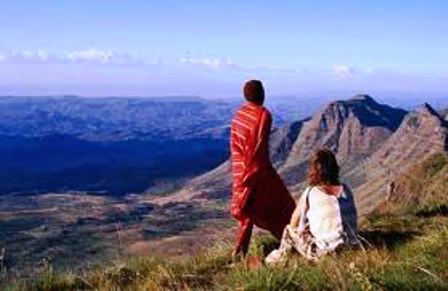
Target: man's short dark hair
<point>254,91</point>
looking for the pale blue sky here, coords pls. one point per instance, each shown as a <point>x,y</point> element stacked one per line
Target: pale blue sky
<point>210,47</point>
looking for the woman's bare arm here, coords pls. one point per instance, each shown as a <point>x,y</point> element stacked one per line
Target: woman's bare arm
<point>295,217</point>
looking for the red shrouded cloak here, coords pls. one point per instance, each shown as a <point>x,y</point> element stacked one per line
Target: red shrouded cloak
<point>258,192</point>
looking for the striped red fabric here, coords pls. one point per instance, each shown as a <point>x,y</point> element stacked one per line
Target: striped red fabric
<point>258,193</point>
<point>243,126</point>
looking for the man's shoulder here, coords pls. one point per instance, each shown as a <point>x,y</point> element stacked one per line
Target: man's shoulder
<point>265,109</point>
<point>252,111</point>
<point>266,112</point>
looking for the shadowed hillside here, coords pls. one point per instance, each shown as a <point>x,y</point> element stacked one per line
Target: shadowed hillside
<point>65,163</point>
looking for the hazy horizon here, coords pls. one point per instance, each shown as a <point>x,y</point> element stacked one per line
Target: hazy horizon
<point>344,94</point>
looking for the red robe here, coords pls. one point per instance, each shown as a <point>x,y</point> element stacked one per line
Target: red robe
<point>259,196</point>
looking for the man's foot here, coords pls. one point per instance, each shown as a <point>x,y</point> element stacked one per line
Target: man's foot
<point>237,255</point>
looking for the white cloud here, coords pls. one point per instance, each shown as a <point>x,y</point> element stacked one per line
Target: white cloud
<point>343,71</point>
<point>91,55</point>
<point>214,63</point>
<point>349,72</point>
<point>229,64</point>
<point>109,57</point>
<point>28,56</point>
<point>99,56</point>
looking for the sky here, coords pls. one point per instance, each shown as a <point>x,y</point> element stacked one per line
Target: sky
<point>209,48</point>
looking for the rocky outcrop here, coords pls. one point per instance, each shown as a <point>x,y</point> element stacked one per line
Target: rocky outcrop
<point>421,134</point>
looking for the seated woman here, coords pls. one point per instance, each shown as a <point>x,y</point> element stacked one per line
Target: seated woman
<point>325,216</point>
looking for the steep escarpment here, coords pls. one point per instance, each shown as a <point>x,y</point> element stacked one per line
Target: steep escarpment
<point>422,134</point>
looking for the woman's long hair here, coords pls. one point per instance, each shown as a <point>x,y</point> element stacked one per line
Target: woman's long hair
<point>323,169</point>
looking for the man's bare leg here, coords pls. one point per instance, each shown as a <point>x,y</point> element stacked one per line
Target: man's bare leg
<point>243,239</point>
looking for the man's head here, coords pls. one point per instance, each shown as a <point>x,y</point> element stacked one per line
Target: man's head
<point>254,92</point>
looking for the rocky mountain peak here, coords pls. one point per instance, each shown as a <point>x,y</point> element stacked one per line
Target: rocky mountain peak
<point>367,111</point>
<point>426,108</point>
<point>429,112</point>
<point>363,97</point>
<point>352,128</point>
<point>425,118</point>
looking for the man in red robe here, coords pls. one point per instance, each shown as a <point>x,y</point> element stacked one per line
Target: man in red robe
<point>259,196</point>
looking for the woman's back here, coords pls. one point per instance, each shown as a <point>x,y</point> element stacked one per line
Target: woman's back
<point>331,217</point>
<point>325,216</point>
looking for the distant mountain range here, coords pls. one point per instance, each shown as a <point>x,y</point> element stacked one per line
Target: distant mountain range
<point>112,119</point>
<point>113,145</point>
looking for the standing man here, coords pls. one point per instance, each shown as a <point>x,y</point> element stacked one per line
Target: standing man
<point>259,196</point>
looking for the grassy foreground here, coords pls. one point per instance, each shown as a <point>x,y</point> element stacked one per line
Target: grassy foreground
<point>406,248</point>
<point>406,252</point>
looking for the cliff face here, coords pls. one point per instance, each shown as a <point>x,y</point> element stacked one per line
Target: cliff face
<point>421,134</point>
